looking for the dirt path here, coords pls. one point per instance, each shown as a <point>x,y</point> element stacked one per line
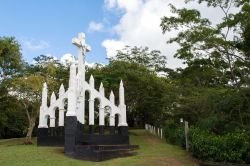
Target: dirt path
<point>156,152</point>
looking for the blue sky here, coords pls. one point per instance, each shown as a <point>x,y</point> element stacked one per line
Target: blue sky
<point>47,26</point>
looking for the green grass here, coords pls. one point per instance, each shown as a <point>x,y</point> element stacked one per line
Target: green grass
<point>153,151</point>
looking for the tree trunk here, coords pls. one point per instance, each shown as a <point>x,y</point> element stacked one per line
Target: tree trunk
<point>28,140</point>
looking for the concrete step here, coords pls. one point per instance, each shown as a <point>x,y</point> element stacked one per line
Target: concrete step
<point>103,152</point>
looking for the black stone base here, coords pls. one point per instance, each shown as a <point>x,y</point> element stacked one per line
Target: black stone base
<point>101,130</point>
<point>70,134</point>
<point>87,146</point>
<point>92,139</point>
<point>123,130</point>
<point>112,130</point>
<point>91,129</point>
<point>79,132</point>
<point>103,152</point>
<point>50,136</point>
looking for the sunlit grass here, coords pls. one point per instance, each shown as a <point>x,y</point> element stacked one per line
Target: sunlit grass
<point>153,151</point>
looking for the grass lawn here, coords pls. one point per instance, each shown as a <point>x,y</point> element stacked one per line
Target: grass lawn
<point>152,152</point>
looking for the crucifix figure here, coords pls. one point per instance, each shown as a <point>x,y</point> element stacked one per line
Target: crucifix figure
<point>83,48</point>
<point>80,43</point>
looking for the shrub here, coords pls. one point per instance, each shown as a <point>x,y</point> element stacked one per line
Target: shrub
<point>174,133</point>
<point>231,147</point>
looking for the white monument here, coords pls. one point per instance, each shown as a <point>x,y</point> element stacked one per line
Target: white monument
<point>76,96</point>
<point>76,141</point>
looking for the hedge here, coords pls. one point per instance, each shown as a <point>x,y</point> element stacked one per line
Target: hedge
<point>205,145</point>
<point>231,147</point>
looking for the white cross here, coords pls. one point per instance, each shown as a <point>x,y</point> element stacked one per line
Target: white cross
<point>80,43</point>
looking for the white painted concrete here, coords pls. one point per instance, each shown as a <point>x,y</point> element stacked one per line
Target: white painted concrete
<point>76,96</point>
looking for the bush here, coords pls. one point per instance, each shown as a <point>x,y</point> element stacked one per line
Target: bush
<point>231,147</point>
<point>174,133</point>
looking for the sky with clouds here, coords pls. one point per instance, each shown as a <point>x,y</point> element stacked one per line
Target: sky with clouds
<point>47,27</point>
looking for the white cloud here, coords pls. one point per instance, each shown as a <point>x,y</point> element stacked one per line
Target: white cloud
<point>33,45</point>
<point>67,58</point>
<point>112,46</point>
<point>129,5</point>
<point>139,25</point>
<point>94,26</point>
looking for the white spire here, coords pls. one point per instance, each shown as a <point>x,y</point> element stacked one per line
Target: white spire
<point>121,83</point>
<point>92,81</point>
<point>101,89</point>
<point>72,91</point>
<point>101,86</point>
<point>72,76</point>
<point>44,94</point>
<point>52,98</point>
<point>61,90</point>
<point>121,94</point>
<point>112,97</point>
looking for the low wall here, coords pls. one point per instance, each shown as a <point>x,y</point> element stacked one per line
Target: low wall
<point>53,136</point>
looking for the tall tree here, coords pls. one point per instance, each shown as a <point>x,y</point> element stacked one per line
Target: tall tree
<point>10,57</point>
<point>148,97</point>
<point>223,45</point>
<point>151,59</point>
<point>217,56</point>
<point>28,89</point>
<point>11,64</point>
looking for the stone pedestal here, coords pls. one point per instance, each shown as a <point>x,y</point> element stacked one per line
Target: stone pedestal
<point>101,129</point>
<point>91,129</point>
<point>123,130</point>
<point>60,131</point>
<point>112,130</point>
<point>70,134</point>
<point>79,132</point>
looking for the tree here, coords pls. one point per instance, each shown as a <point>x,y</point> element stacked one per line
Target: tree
<point>200,39</point>
<point>50,69</point>
<point>27,87</point>
<point>217,58</point>
<point>12,122</point>
<point>28,90</point>
<point>10,57</point>
<point>151,59</point>
<point>148,97</point>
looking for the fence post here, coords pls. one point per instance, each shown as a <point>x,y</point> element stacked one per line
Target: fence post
<point>161,133</point>
<point>186,135</point>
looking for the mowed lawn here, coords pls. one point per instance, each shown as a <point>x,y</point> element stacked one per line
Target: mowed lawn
<point>153,152</point>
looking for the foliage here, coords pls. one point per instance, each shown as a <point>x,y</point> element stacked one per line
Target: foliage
<point>213,89</point>
<point>152,59</point>
<point>28,92</point>
<point>174,133</point>
<point>200,40</point>
<point>216,109</point>
<point>10,57</point>
<point>51,70</point>
<point>145,94</point>
<point>12,120</point>
<point>27,87</point>
<point>231,147</point>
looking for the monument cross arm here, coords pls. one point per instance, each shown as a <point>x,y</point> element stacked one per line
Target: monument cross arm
<point>80,42</point>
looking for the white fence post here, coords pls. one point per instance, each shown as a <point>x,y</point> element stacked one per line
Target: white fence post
<point>161,133</point>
